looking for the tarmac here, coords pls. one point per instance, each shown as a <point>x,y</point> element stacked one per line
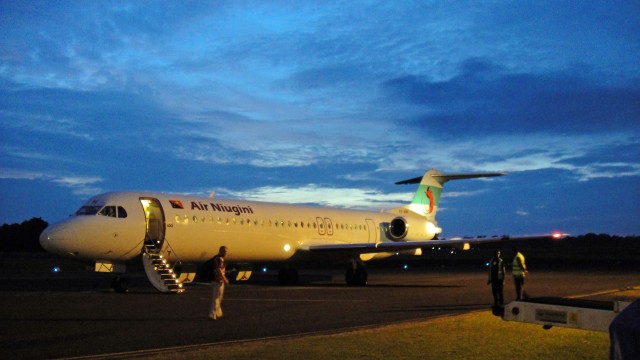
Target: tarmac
<point>74,313</point>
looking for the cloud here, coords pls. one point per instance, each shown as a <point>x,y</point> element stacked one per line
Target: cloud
<point>342,197</point>
<point>312,194</point>
<point>241,93</point>
<point>20,174</point>
<point>486,99</point>
<point>78,184</point>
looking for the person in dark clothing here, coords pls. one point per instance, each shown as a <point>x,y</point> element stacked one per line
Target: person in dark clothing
<point>219,282</point>
<point>497,271</point>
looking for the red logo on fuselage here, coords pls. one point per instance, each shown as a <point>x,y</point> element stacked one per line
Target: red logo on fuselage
<point>176,204</point>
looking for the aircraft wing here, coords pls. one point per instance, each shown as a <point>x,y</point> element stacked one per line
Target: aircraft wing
<point>365,248</point>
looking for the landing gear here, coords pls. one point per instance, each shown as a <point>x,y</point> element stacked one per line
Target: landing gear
<point>356,274</point>
<point>288,276</point>
<point>120,284</point>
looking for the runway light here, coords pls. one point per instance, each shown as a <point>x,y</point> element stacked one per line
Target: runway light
<point>56,269</point>
<point>264,269</point>
<point>405,267</point>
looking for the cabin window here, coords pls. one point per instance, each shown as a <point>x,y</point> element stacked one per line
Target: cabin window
<point>122,213</point>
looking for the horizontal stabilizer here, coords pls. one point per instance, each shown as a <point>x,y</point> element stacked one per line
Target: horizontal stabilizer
<point>443,178</point>
<point>425,200</point>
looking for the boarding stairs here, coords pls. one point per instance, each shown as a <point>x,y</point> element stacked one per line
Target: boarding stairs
<point>159,270</point>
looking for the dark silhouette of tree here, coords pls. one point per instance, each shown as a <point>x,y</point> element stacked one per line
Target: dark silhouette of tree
<point>24,237</point>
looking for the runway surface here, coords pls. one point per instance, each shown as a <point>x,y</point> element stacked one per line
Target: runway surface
<point>74,313</point>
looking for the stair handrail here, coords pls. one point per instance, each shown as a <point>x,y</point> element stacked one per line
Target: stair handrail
<point>167,248</point>
<point>159,253</point>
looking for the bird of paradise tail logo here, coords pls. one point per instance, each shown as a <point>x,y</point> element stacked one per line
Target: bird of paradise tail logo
<point>429,197</point>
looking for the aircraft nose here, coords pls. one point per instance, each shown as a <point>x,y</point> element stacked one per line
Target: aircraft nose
<point>54,238</point>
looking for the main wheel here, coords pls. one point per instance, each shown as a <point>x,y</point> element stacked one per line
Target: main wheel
<point>288,276</point>
<point>357,276</point>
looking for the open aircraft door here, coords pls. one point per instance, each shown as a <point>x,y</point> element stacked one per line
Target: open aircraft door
<point>158,260</point>
<point>154,218</point>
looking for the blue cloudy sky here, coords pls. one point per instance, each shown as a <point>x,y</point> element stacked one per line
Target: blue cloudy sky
<point>329,103</point>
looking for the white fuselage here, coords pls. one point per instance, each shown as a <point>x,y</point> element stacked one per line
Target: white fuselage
<point>192,229</point>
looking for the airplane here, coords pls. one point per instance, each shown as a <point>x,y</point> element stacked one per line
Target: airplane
<point>173,234</point>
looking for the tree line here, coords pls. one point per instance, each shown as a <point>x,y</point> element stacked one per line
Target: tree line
<point>25,237</point>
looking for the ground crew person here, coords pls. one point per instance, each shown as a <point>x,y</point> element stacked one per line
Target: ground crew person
<point>519,270</point>
<point>219,281</point>
<point>497,270</point>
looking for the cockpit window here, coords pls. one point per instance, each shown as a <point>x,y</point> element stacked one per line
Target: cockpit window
<point>88,210</point>
<point>108,210</point>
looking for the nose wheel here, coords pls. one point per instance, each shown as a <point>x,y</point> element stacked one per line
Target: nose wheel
<point>120,284</point>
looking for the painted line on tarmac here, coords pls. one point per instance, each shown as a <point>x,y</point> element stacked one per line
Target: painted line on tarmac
<point>296,300</point>
<point>606,292</point>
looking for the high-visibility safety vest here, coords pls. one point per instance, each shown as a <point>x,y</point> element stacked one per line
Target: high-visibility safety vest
<point>518,268</point>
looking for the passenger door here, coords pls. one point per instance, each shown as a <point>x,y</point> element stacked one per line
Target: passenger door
<point>154,217</point>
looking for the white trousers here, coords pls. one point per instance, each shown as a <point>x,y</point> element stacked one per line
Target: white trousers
<point>218,294</point>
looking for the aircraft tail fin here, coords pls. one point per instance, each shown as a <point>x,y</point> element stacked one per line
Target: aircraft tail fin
<point>426,199</point>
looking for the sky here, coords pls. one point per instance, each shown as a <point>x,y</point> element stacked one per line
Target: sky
<point>328,103</point>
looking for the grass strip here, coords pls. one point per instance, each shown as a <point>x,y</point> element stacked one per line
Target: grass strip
<point>477,335</point>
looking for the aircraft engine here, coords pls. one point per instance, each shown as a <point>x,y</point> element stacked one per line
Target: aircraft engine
<point>398,229</point>
<point>401,229</point>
